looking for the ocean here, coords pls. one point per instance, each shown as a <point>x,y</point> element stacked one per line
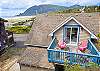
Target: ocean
<point>7,13</point>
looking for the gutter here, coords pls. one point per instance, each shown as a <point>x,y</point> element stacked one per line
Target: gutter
<point>40,46</point>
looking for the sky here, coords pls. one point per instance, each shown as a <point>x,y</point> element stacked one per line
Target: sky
<point>29,3</point>
<point>14,7</point>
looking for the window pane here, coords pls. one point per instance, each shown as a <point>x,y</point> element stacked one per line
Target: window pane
<point>68,34</point>
<point>74,35</point>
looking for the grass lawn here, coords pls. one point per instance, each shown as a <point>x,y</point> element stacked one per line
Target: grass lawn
<point>20,25</point>
<point>19,29</point>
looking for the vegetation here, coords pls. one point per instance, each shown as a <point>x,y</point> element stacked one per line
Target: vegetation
<point>98,35</point>
<point>20,25</point>
<point>87,9</point>
<point>58,9</point>
<point>20,29</point>
<point>91,66</point>
<point>69,67</point>
<point>98,42</point>
<point>42,9</point>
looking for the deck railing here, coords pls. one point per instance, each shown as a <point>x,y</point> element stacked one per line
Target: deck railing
<point>53,44</point>
<point>92,48</point>
<point>59,56</point>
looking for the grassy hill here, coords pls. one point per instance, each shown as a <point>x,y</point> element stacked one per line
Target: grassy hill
<point>42,9</point>
<point>58,9</point>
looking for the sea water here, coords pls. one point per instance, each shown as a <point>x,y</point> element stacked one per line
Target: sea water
<point>7,13</point>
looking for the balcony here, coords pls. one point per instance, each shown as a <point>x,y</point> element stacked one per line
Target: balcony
<point>59,56</point>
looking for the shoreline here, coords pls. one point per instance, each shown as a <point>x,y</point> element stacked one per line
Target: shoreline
<point>15,17</point>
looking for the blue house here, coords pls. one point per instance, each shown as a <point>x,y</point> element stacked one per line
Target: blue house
<point>75,36</point>
<point>76,33</point>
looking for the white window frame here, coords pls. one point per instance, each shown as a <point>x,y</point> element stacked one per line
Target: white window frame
<point>70,34</point>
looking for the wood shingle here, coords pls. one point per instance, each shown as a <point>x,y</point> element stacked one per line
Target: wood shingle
<point>44,24</point>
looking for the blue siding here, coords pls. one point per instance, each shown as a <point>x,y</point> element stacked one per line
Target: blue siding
<point>59,56</point>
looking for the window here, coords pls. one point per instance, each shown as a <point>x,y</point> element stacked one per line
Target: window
<point>71,34</point>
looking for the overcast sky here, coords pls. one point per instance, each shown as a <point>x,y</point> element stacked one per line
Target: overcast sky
<point>29,3</point>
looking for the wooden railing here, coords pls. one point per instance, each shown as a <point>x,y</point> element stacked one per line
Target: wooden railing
<point>59,56</point>
<point>53,43</point>
<point>92,48</point>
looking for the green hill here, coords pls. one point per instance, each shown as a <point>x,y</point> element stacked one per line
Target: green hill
<point>58,9</point>
<point>41,9</point>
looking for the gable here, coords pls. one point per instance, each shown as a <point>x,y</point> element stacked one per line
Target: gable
<point>72,21</point>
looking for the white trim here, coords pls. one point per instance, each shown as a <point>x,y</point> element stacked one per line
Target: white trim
<point>72,45</point>
<point>51,43</point>
<point>78,33</point>
<point>66,21</point>
<point>85,28</point>
<point>70,35</point>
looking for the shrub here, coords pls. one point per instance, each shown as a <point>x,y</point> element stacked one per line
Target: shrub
<point>98,35</point>
<point>91,66</point>
<point>98,41</point>
<point>69,67</point>
<point>19,29</point>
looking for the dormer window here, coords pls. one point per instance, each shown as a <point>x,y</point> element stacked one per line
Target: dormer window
<point>71,34</point>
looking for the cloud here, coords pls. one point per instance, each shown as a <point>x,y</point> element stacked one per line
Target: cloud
<point>29,3</point>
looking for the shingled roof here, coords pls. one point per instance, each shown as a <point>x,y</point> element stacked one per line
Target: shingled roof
<point>37,57</point>
<point>45,23</point>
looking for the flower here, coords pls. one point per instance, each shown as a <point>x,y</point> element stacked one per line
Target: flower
<point>62,45</point>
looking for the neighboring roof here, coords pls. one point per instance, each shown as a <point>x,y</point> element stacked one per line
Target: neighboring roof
<point>38,57</point>
<point>45,23</point>
<point>6,64</point>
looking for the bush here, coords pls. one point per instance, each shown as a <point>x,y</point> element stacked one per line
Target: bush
<point>69,67</point>
<point>98,41</point>
<point>19,29</point>
<point>91,66</point>
<point>98,35</point>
